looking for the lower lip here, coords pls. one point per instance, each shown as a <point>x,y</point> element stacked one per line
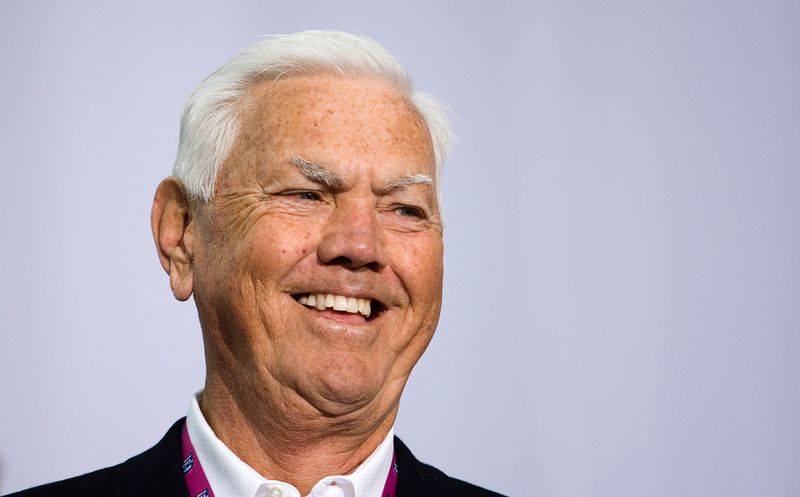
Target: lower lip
<point>342,317</point>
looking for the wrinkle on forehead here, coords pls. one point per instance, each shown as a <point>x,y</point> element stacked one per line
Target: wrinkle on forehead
<point>346,118</point>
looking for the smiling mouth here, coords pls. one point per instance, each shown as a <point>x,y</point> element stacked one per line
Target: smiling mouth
<point>368,308</point>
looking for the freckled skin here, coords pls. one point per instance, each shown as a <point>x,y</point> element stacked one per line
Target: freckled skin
<point>370,136</point>
<point>325,390</point>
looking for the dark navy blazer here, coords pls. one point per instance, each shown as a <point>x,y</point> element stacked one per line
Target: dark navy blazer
<point>157,473</point>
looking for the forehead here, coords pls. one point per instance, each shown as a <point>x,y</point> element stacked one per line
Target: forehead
<point>334,119</point>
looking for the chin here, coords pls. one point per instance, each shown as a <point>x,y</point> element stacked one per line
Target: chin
<point>345,389</point>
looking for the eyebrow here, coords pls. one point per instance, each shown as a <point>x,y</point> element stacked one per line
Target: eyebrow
<point>324,176</point>
<point>318,174</point>
<point>411,179</point>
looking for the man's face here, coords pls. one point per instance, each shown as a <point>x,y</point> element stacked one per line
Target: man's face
<point>327,192</point>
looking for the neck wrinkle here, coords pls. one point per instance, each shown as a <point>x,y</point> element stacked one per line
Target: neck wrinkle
<point>277,445</point>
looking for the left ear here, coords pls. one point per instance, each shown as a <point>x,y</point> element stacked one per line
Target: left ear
<point>173,232</point>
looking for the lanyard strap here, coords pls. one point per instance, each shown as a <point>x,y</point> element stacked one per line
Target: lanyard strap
<point>198,485</point>
<point>196,480</point>
<point>390,488</point>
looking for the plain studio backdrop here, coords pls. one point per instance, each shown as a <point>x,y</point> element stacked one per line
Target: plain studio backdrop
<point>622,295</point>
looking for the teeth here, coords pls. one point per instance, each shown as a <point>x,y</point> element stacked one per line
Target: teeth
<point>364,307</point>
<point>324,301</point>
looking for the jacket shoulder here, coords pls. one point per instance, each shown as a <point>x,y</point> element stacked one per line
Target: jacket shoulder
<point>416,479</point>
<point>89,485</point>
<point>155,472</point>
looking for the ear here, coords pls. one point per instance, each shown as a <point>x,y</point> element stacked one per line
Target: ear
<point>173,232</point>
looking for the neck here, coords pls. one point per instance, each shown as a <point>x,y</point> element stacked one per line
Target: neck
<point>284,438</point>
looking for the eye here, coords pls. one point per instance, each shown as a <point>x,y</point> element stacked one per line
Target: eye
<point>304,195</point>
<point>409,211</point>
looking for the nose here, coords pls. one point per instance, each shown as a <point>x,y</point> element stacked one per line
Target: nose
<point>352,238</point>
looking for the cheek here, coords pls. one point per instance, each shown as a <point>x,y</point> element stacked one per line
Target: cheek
<point>271,250</point>
<point>419,266</point>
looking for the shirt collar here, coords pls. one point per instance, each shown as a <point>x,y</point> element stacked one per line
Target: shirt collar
<point>229,476</point>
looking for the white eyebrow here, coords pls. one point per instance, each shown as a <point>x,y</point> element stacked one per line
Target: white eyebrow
<point>317,173</point>
<point>324,176</point>
<point>411,179</point>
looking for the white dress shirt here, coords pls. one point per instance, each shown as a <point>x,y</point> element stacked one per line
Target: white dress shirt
<point>229,476</point>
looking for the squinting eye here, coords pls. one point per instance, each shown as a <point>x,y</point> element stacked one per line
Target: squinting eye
<point>308,195</point>
<point>406,210</point>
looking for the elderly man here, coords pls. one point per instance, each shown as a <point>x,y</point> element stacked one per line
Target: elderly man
<point>304,218</point>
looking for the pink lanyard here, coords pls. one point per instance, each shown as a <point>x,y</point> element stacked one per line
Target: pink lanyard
<point>198,486</point>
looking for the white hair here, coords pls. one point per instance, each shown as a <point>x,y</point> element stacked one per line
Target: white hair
<point>210,121</point>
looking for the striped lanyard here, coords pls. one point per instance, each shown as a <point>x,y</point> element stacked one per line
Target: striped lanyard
<point>198,485</point>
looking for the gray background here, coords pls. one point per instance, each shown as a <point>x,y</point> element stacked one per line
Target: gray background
<point>622,295</point>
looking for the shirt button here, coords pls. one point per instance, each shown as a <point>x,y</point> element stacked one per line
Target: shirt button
<point>275,492</point>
